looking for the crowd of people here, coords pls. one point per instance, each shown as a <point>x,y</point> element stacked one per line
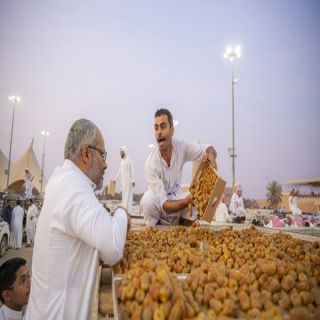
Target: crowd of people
<point>15,219</point>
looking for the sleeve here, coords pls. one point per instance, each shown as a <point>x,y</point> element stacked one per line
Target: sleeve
<point>233,205</point>
<point>85,218</point>
<point>240,209</point>
<point>12,218</point>
<point>131,170</point>
<point>155,182</point>
<point>194,151</point>
<point>118,174</point>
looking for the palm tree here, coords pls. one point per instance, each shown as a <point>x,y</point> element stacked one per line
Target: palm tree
<point>274,194</point>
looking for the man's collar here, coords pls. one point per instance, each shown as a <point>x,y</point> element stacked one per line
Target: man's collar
<point>12,314</point>
<point>70,164</point>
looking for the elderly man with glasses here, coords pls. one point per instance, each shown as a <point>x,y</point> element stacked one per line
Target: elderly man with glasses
<point>71,226</point>
<point>14,288</point>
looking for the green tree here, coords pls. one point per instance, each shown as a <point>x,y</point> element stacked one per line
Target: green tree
<point>274,194</point>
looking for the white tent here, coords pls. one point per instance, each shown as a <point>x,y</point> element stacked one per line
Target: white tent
<point>17,173</point>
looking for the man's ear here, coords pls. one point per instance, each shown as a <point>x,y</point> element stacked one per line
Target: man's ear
<point>6,294</point>
<point>85,154</point>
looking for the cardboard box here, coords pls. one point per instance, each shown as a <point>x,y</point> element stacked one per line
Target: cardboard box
<point>215,194</point>
<point>112,188</point>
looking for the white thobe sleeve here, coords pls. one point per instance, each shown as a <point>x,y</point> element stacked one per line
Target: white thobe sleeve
<point>241,207</point>
<point>155,183</point>
<point>194,151</point>
<point>88,220</point>
<point>131,170</point>
<point>118,174</point>
<point>233,204</point>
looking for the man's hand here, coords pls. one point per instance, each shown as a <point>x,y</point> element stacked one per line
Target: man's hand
<point>173,206</point>
<point>189,199</point>
<point>128,215</point>
<point>211,155</point>
<point>129,222</point>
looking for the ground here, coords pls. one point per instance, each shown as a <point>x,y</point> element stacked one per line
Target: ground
<point>24,252</point>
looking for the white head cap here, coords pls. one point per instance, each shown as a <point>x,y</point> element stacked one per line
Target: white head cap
<point>237,187</point>
<point>124,149</point>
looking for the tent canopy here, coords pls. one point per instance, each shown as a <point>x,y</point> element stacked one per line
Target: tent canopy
<point>17,173</point>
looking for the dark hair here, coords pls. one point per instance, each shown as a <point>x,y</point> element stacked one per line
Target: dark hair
<point>31,200</point>
<point>8,272</point>
<point>18,202</point>
<point>166,112</point>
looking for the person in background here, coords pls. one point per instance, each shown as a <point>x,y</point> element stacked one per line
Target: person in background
<point>6,212</point>
<point>267,222</point>
<point>293,202</point>
<point>32,215</point>
<point>276,222</point>
<point>28,178</point>
<point>292,192</point>
<point>298,221</point>
<point>163,203</point>
<point>73,226</point>
<point>236,204</point>
<point>127,180</point>
<point>281,212</point>
<point>14,289</point>
<point>16,226</point>
<point>222,214</point>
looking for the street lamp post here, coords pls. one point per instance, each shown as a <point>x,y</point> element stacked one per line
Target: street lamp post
<point>14,100</point>
<point>45,134</point>
<point>232,54</point>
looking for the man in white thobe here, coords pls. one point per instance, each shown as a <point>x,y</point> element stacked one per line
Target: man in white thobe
<point>72,227</point>
<point>293,203</point>
<point>222,214</point>
<point>163,203</point>
<point>127,181</point>
<point>16,226</point>
<point>28,183</point>
<point>236,203</point>
<point>31,222</point>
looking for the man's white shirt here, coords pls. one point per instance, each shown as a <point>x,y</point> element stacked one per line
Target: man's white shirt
<point>9,314</point>
<point>165,180</point>
<point>71,225</point>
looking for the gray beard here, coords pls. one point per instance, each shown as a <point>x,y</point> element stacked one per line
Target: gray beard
<point>99,186</point>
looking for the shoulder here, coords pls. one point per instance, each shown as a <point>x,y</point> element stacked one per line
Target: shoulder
<point>190,145</point>
<point>152,160</point>
<point>180,143</point>
<point>68,177</point>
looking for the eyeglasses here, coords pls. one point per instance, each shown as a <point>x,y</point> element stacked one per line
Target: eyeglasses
<point>103,153</point>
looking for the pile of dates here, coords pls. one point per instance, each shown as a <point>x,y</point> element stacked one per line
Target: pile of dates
<point>231,274</point>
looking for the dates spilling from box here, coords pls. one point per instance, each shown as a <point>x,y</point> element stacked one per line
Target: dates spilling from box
<point>237,274</point>
<point>207,188</point>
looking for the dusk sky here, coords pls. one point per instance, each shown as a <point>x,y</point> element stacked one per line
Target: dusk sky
<point>117,62</point>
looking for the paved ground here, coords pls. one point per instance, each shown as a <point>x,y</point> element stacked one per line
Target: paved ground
<point>24,252</point>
